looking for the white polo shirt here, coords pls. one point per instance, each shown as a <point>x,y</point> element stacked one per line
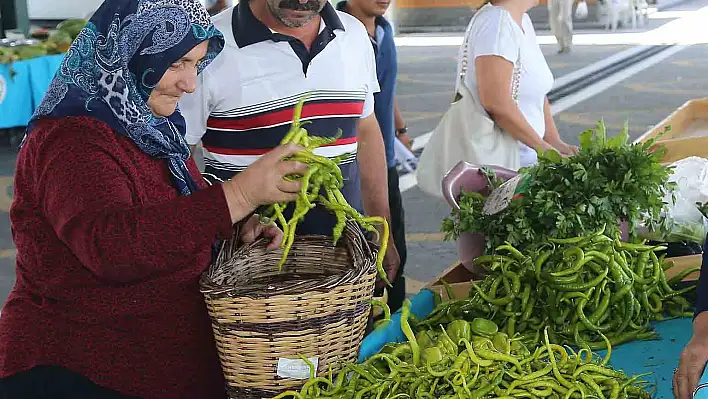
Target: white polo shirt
<point>244,101</point>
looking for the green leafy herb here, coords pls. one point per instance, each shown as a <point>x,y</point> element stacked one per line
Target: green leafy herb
<point>608,181</point>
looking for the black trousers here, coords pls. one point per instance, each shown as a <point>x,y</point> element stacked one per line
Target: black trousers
<point>53,382</point>
<point>396,293</point>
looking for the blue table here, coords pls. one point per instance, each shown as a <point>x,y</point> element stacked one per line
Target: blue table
<point>22,87</point>
<point>638,357</point>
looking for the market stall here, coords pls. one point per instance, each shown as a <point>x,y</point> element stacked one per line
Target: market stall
<point>567,287</point>
<point>27,66</point>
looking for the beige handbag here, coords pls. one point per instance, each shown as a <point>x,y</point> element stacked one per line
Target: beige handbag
<point>467,133</point>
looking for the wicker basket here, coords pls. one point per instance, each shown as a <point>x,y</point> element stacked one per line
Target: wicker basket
<point>263,320</point>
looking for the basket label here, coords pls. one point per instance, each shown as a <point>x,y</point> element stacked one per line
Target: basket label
<point>295,368</point>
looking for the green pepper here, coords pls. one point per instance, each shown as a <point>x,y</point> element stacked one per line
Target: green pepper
<point>388,348</point>
<point>484,327</point>
<point>445,344</point>
<point>425,339</point>
<point>501,343</point>
<point>432,355</point>
<point>403,349</point>
<point>518,348</point>
<point>408,331</point>
<point>459,329</point>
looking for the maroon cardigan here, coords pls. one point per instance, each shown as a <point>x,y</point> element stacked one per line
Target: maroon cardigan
<point>108,262</point>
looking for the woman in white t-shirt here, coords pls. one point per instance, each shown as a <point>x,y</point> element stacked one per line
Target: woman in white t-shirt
<point>500,36</point>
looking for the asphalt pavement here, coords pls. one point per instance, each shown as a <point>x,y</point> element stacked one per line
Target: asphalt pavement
<point>425,87</point>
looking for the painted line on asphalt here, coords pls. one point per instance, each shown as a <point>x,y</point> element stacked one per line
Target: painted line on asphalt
<point>5,199</point>
<point>8,253</point>
<point>592,68</point>
<point>592,90</point>
<point>409,181</point>
<point>423,237</point>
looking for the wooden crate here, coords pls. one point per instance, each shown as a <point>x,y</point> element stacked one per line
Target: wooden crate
<point>459,278</point>
<point>689,131</point>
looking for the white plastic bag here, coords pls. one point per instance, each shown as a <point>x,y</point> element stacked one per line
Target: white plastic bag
<point>405,159</point>
<point>687,222</point>
<point>581,10</point>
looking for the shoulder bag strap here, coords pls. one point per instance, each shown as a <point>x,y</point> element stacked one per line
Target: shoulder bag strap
<point>516,74</point>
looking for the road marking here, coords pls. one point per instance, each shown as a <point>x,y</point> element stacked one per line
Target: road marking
<point>5,199</point>
<point>423,237</point>
<point>602,64</point>
<point>666,87</point>
<point>597,88</point>
<point>409,181</point>
<point>8,253</point>
<point>420,116</point>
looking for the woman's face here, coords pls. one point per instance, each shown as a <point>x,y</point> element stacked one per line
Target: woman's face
<point>180,78</point>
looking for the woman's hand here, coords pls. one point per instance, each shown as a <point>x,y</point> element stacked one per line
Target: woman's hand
<point>692,360</point>
<point>253,229</point>
<point>562,147</point>
<point>264,183</point>
<point>567,149</point>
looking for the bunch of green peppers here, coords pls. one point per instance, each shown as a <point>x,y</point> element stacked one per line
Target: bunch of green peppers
<point>474,360</point>
<point>578,287</point>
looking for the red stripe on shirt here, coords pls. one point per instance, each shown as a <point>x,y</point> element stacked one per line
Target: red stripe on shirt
<point>261,151</point>
<point>286,115</point>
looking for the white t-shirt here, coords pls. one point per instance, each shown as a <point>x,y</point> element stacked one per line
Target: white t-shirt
<point>494,32</point>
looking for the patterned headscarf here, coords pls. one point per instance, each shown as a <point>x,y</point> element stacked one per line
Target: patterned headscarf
<point>111,68</point>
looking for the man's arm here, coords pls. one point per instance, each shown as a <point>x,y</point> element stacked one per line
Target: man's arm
<point>400,124</point>
<point>399,121</point>
<point>371,155</point>
<point>374,183</point>
<point>372,164</point>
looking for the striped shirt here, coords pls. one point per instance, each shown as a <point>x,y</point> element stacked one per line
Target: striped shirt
<point>244,101</point>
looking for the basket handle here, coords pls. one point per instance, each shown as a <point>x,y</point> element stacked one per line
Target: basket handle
<point>366,247</point>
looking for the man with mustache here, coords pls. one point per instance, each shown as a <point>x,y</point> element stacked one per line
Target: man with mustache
<point>276,52</point>
<point>371,14</point>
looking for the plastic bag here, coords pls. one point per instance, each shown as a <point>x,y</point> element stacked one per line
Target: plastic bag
<point>581,10</point>
<point>685,221</point>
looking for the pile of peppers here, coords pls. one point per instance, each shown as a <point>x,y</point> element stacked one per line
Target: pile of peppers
<point>474,360</point>
<point>321,184</point>
<point>582,288</point>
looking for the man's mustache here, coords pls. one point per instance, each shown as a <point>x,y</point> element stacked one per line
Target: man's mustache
<point>295,5</point>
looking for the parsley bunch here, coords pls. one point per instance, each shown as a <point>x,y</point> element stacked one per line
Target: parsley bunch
<point>608,181</point>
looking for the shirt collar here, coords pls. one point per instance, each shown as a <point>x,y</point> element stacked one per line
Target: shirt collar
<point>248,30</point>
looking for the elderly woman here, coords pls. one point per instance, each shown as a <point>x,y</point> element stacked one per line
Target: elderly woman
<point>502,37</point>
<point>112,230</point>
<point>695,355</point>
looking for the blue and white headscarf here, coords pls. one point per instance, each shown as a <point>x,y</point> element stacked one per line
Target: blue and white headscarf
<point>115,62</point>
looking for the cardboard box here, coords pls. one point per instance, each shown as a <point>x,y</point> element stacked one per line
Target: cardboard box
<point>682,263</point>
<point>459,278</point>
